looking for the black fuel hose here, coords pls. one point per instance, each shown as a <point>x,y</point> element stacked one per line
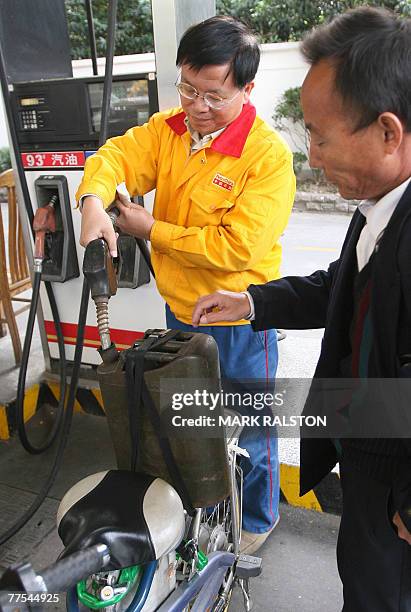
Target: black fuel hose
<point>146,254</point>
<point>21,385</point>
<point>66,423</point>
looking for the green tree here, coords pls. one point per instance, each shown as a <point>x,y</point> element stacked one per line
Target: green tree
<point>288,20</point>
<point>134,33</point>
<point>272,20</point>
<point>288,117</point>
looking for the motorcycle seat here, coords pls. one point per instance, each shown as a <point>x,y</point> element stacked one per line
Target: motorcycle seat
<point>139,517</point>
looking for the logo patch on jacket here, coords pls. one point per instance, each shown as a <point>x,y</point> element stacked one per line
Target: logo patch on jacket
<point>223,181</point>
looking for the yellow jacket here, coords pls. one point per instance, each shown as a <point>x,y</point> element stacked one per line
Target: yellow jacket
<point>219,211</point>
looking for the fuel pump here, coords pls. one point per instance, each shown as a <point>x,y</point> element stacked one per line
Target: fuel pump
<point>53,234</point>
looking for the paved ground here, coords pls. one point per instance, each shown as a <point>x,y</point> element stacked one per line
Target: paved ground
<point>299,559</point>
<point>310,243</point>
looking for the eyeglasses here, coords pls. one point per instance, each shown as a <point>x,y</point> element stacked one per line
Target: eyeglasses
<point>211,99</point>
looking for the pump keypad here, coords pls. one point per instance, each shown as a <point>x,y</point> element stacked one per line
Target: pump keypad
<point>30,120</point>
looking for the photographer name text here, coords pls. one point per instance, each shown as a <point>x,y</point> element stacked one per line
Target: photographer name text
<point>258,420</point>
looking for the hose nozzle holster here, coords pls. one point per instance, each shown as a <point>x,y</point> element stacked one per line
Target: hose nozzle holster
<point>44,223</point>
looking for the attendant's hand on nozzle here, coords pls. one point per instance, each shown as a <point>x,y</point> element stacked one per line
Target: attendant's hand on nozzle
<point>133,219</point>
<point>95,223</point>
<point>224,306</point>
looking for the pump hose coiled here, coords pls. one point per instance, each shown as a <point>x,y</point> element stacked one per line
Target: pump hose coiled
<point>66,424</point>
<point>21,385</point>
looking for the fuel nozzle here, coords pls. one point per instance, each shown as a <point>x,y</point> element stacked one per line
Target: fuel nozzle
<point>44,223</point>
<point>98,268</point>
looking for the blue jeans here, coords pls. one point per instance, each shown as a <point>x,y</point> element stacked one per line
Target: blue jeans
<point>245,354</point>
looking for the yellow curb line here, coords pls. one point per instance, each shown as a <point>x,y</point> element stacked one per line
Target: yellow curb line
<point>30,403</point>
<point>55,389</point>
<point>4,426</point>
<point>290,484</point>
<point>313,248</point>
<point>97,395</point>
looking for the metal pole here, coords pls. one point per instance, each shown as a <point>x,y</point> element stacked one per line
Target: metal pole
<point>108,75</point>
<point>91,35</point>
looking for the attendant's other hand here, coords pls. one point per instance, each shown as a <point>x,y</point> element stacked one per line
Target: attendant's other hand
<point>403,532</point>
<point>134,219</point>
<point>95,223</point>
<point>220,306</point>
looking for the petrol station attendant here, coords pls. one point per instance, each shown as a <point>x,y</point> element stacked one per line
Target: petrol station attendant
<point>224,186</point>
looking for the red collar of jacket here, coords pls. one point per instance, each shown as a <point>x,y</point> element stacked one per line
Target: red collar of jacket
<point>232,140</point>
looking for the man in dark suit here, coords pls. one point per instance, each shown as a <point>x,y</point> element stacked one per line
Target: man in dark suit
<point>356,101</point>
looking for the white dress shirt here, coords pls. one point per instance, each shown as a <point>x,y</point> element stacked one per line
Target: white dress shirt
<point>377,215</point>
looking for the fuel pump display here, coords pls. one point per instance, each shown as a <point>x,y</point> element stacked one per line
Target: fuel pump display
<point>67,111</point>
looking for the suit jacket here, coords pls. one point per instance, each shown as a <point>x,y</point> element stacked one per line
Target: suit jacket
<point>325,299</point>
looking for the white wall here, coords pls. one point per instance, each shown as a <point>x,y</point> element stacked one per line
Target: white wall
<point>281,67</point>
<point>123,64</point>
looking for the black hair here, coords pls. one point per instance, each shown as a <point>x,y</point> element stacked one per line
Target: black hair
<point>221,40</point>
<point>371,51</point>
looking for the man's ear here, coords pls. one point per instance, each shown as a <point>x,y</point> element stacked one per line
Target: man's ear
<point>392,130</point>
<point>247,91</point>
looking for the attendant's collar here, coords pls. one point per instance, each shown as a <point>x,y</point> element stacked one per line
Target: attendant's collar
<point>232,138</point>
<point>198,142</point>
